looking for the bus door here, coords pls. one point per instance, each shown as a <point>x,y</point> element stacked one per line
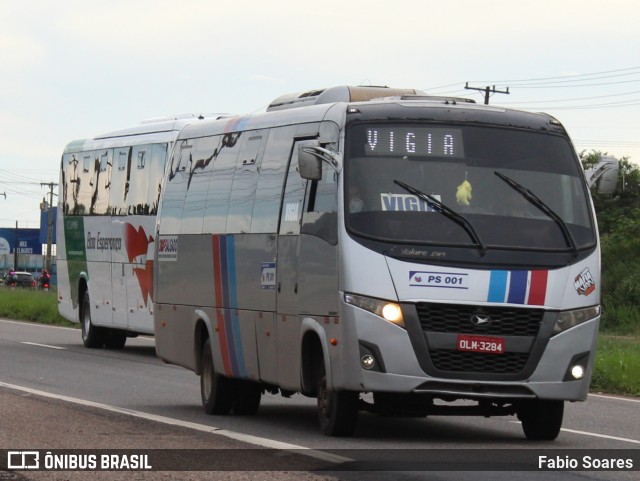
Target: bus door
<point>287,276</point>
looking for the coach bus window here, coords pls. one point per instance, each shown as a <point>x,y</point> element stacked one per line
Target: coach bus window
<point>137,202</point>
<point>157,160</point>
<point>71,184</point>
<point>85,184</point>
<point>245,180</point>
<point>198,171</point>
<point>266,208</point>
<point>100,202</point>
<point>118,182</point>
<point>227,148</point>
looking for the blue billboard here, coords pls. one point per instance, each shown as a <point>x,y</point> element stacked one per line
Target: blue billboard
<point>24,241</point>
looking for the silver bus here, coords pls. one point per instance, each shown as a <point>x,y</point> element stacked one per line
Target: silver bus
<point>383,251</point>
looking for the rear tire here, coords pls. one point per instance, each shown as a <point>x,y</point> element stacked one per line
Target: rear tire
<point>337,410</point>
<point>541,419</point>
<point>92,336</point>
<point>216,391</point>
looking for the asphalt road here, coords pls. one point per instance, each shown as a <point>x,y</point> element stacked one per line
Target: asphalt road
<point>55,394</point>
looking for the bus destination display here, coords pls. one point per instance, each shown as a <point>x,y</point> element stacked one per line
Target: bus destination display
<point>414,141</point>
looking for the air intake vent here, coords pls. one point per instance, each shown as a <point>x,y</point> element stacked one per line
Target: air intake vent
<point>337,94</point>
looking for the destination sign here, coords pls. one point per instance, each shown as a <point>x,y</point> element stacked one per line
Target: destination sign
<point>414,142</point>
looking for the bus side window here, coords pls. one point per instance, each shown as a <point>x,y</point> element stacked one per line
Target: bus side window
<point>225,155</point>
<point>85,183</point>
<point>137,201</point>
<point>100,201</point>
<point>119,181</point>
<point>70,164</point>
<point>245,181</point>
<point>266,208</point>
<point>198,173</point>
<point>175,188</point>
<point>292,203</point>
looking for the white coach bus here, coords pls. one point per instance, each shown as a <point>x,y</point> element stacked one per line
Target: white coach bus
<point>108,199</point>
<point>380,250</point>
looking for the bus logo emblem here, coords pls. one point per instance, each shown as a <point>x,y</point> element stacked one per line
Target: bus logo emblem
<point>480,320</point>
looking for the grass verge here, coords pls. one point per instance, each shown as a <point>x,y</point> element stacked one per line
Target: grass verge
<point>617,368</point>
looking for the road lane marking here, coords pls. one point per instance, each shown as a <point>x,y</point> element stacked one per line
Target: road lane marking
<point>605,436</point>
<point>246,438</point>
<point>44,345</point>
<point>587,433</point>
<point>616,398</point>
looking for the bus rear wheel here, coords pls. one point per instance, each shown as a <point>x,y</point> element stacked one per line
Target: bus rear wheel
<point>541,419</point>
<point>216,391</point>
<point>337,410</point>
<point>92,336</point>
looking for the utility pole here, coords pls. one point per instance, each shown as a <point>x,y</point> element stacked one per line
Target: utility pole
<point>51,185</point>
<point>487,90</point>
<point>15,248</point>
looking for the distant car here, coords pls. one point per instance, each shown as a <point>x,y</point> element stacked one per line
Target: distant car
<point>20,279</point>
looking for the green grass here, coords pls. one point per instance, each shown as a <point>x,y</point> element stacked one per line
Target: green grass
<point>617,368</point>
<point>29,305</point>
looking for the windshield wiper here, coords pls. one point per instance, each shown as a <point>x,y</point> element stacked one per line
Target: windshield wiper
<point>540,204</point>
<point>447,212</point>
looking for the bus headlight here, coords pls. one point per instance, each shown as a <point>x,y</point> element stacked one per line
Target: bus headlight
<point>568,319</point>
<point>389,311</point>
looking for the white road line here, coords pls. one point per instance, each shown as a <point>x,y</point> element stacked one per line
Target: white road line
<point>44,345</point>
<point>587,433</point>
<point>616,398</point>
<point>246,438</point>
<point>605,436</point>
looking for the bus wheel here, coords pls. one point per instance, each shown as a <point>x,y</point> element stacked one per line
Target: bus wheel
<point>247,398</point>
<point>541,420</point>
<point>215,390</point>
<point>92,336</point>
<point>115,339</point>
<point>337,410</point>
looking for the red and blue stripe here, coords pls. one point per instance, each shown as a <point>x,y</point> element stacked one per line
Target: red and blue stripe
<point>518,287</point>
<point>226,302</point>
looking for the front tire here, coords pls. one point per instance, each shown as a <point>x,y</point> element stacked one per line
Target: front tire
<point>541,419</point>
<point>216,391</point>
<point>337,410</point>
<point>92,336</point>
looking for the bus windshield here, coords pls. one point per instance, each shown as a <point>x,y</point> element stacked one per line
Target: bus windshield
<point>513,189</point>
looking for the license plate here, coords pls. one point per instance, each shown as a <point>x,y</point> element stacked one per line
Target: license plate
<point>487,345</point>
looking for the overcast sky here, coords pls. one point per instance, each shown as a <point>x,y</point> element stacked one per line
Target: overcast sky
<point>73,69</point>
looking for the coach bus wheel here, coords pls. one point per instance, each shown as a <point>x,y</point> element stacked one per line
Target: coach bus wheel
<point>215,390</point>
<point>337,410</point>
<point>246,398</point>
<point>541,420</point>
<point>92,336</point>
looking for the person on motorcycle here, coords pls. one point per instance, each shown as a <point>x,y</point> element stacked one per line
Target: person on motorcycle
<point>45,279</point>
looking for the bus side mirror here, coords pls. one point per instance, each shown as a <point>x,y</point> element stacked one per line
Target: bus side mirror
<point>309,162</point>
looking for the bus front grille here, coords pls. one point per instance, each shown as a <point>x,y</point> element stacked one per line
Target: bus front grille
<point>503,321</point>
